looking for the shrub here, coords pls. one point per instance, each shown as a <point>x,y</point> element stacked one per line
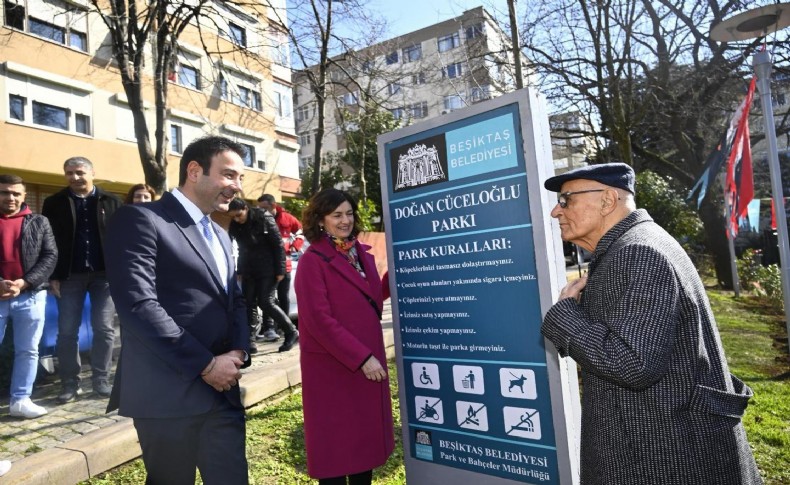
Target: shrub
<point>763,281</point>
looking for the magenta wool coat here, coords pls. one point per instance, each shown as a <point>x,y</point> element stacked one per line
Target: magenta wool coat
<point>347,418</point>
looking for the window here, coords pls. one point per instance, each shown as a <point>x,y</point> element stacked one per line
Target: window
<point>453,70</point>
<point>64,24</point>
<point>176,139</point>
<point>418,110</point>
<point>237,34</point>
<point>348,99</point>
<point>449,42</point>
<point>280,48</point>
<point>303,112</point>
<point>49,115</point>
<point>261,164</point>
<point>367,66</point>
<point>393,88</point>
<point>480,93</point>
<point>82,124</point>
<point>78,40</point>
<point>15,15</point>
<point>188,77</point>
<point>398,113</point>
<point>454,101</point>
<point>392,57</point>
<point>418,78</point>
<point>778,99</point>
<point>305,163</point>
<point>247,97</point>
<point>283,105</point>
<point>305,138</point>
<point>16,105</point>
<point>47,30</point>
<point>241,91</point>
<point>475,31</point>
<point>249,155</point>
<point>413,53</point>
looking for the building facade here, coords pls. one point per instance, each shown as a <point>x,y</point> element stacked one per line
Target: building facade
<point>61,95</point>
<point>417,76</point>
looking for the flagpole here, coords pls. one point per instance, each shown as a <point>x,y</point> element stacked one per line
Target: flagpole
<point>762,67</point>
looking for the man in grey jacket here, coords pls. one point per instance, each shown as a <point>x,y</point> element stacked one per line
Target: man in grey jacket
<point>659,403</point>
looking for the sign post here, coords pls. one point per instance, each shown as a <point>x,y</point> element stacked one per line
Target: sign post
<point>474,263</point>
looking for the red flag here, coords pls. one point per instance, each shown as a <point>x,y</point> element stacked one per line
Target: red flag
<point>739,186</point>
<point>773,216</point>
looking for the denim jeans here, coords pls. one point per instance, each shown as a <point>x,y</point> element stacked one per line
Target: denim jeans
<point>70,304</point>
<point>26,313</point>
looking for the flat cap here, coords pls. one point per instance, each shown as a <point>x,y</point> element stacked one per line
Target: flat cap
<point>617,175</point>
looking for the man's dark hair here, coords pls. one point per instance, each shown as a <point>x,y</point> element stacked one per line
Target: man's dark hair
<point>11,179</point>
<point>267,198</point>
<point>203,150</point>
<point>237,205</point>
<point>322,204</point>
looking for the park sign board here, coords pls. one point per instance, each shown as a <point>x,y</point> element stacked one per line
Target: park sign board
<point>474,264</point>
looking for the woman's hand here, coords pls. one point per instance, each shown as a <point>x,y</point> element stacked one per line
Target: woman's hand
<point>373,369</point>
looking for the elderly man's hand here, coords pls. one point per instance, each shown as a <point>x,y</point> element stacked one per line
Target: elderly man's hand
<point>574,289</point>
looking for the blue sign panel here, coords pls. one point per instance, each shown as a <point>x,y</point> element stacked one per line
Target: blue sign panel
<point>463,257</point>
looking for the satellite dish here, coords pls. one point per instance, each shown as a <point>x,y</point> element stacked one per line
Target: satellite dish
<point>752,24</point>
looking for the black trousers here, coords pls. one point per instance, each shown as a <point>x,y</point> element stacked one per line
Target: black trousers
<point>214,443</point>
<point>261,292</point>
<point>364,478</point>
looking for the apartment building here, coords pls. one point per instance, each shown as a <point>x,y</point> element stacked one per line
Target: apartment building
<point>61,95</point>
<point>571,144</point>
<point>416,76</point>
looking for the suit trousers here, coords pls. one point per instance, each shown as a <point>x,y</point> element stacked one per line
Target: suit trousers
<point>214,443</point>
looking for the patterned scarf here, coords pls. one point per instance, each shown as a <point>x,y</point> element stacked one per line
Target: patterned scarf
<point>347,248</point>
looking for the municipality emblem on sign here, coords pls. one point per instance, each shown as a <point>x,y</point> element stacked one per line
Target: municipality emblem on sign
<point>423,162</point>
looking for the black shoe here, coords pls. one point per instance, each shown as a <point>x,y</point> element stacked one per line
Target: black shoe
<point>253,348</point>
<point>69,393</point>
<point>290,341</point>
<point>102,388</point>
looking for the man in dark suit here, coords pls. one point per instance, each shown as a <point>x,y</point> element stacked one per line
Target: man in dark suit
<point>183,323</point>
<point>659,403</point>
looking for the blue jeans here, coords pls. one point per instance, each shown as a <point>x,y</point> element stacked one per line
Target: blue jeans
<point>70,303</point>
<point>26,313</point>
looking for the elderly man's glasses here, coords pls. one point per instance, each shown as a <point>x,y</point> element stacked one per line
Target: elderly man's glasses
<point>562,199</point>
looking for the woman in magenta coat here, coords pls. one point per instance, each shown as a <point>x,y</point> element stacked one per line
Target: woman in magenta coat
<point>345,390</point>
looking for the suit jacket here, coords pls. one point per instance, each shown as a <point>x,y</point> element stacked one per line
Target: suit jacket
<point>347,418</point>
<point>175,314</point>
<point>659,403</point>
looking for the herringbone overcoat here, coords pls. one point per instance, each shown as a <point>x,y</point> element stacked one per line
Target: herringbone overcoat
<point>659,405</point>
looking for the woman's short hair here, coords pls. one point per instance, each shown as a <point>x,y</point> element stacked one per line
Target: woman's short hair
<point>130,195</point>
<point>322,204</point>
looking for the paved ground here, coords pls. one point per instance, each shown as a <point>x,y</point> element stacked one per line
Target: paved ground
<point>102,441</point>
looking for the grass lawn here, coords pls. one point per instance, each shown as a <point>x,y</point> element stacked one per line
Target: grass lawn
<point>754,340</point>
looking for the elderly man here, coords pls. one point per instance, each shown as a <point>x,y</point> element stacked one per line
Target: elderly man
<point>659,403</point>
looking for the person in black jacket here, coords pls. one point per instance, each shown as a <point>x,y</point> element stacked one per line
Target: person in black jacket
<point>27,258</point>
<point>261,266</point>
<point>78,215</point>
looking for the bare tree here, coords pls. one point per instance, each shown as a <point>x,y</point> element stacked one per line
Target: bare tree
<point>135,30</point>
<point>650,80</point>
<point>317,40</point>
